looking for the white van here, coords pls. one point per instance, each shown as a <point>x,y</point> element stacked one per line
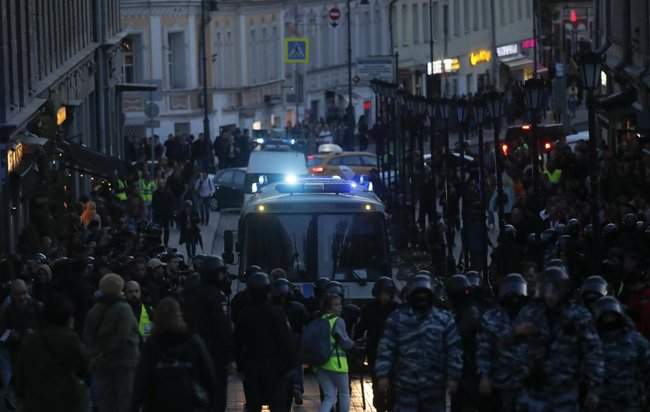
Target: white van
<point>271,167</point>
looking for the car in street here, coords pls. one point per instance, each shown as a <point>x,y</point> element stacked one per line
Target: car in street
<point>229,185</point>
<point>361,163</point>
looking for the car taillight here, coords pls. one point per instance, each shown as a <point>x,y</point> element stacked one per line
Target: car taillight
<point>317,170</point>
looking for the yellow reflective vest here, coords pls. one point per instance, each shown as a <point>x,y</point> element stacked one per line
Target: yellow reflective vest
<point>144,323</point>
<point>121,190</point>
<point>146,189</point>
<point>554,177</point>
<point>338,361</point>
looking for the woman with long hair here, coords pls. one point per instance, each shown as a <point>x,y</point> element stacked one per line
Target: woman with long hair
<point>175,373</point>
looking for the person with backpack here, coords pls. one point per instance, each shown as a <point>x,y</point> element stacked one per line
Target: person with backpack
<point>175,372</point>
<point>264,348</point>
<point>112,340</point>
<point>332,374</point>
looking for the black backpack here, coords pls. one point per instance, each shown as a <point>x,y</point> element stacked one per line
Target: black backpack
<point>175,382</point>
<point>316,344</point>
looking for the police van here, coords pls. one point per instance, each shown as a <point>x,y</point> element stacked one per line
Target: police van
<point>314,228</point>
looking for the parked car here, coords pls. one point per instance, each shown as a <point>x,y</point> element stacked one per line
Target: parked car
<point>229,185</point>
<point>330,164</point>
<point>328,148</point>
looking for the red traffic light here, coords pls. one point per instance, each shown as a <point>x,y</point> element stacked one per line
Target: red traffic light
<point>548,146</point>
<point>573,16</point>
<point>505,149</point>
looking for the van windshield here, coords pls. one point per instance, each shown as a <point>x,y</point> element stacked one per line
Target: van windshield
<point>345,247</point>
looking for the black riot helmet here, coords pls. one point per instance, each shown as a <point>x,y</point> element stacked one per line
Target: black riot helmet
<point>384,285</point>
<point>592,289</point>
<point>320,286</point>
<point>474,279</point>
<point>573,227</point>
<point>548,236</point>
<point>629,221</point>
<point>335,288</point>
<point>608,313</point>
<point>259,286</point>
<point>555,286</point>
<point>252,269</point>
<point>37,258</point>
<point>558,263</point>
<point>458,288</point>
<point>513,284</point>
<point>640,226</point>
<point>280,290</point>
<point>419,283</point>
<point>610,233</point>
<point>211,268</point>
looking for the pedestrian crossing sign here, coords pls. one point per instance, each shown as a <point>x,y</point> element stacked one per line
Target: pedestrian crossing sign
<point>296,50</point>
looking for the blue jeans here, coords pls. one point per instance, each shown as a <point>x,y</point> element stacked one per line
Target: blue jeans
<point>334,385</point>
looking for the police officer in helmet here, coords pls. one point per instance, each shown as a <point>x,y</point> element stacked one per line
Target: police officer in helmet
<point>499,371</point>
<point>371,326</point>
<point>408,351</point>
<point>264,348</point>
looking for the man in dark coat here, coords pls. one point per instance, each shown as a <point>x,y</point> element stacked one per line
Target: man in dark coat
<point>205,314</point>
<point>264,348</point>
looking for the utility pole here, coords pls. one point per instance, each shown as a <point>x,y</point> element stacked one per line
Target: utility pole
<point>535,56</point>
<point>204,71</point>
<point>495,67</point>
<point>350,110</point>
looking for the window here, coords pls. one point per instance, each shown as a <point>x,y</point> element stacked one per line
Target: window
<point>379,30</point>
<point>466,16</point>
<point>240,179</point>
<point>520,10</point>
<point>128,68</point>
<point>225,178</point>
<point>457,17</point>
<point>337,161</point>
<point>369,161</point>
<point>405,25</point>
<point>445,20</point>
<point>266,73</point>
<point>252,59</point>
<point>416,24</point>
<point>176,60</point>
<point>351,161</point>
<point>426,23</point>
<point>476,15</point>
<point>502,11</point>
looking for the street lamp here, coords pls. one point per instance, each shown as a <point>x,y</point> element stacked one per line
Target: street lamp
<point>590,68</point>
<point>494,106</point>
<point>535,97</point>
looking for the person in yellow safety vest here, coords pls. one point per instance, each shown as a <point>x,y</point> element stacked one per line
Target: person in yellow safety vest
<point>146,187</point>
<point>552,174</point>
<point>333,375</point>
<point>143,314</point>
<point>121,190</point>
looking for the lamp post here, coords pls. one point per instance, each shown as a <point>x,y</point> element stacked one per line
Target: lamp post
<point>463,109</point>
<point>480,115</point>
<point>535,89</point>
<point>444,109</point>
<point>494,106</point>
<point>590,68</point>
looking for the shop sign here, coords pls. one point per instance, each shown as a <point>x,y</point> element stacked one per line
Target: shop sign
<point>444,66</point>
<point>480,56</point>
<point>508,50</point>
<point>14,157</point>
<point>61,115</point>
<point>528,44</point>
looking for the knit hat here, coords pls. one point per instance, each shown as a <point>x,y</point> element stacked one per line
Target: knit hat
<point>111,284</point>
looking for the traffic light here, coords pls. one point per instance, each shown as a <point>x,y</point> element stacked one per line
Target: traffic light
<point>505,150</point>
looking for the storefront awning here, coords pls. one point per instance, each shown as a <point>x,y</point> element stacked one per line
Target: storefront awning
<point>85,160</point>
<point>517,62</point>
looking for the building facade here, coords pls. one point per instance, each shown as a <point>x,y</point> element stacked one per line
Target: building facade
<point>470,49</point>
<point>58,86</point>
<point>249,84</point>
<point>624,106</point>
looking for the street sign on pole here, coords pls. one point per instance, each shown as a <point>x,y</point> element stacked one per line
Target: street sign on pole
<point>151,110</point>
<point>296,50</point>
<point>376,68</point>
<point>334,15</point>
